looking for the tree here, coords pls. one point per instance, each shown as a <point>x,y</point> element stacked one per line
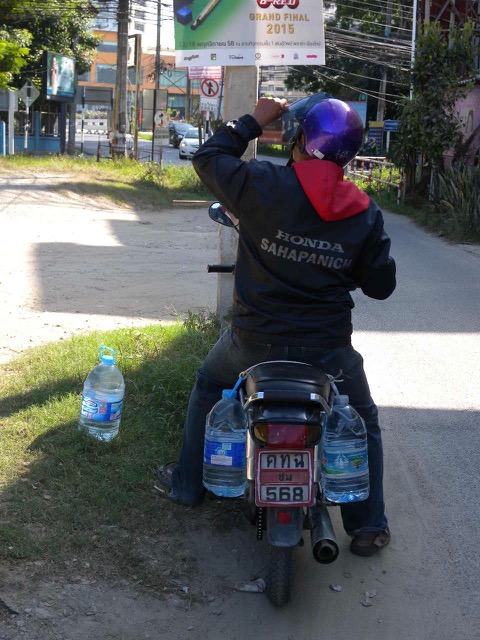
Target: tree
<point>13,56</point>
<point>64,27</point>
<point>429,124</point>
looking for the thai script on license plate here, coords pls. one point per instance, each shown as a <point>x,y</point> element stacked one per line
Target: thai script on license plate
<point>284,478</point>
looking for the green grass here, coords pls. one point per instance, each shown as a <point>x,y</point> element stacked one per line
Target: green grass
<point>277,150</point>
<point>65,495</point>
<point>123,181</point>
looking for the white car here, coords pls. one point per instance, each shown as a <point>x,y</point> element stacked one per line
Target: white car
<point>189,143</point>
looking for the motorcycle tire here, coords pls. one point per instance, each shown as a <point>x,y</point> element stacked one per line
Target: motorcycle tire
<point>279,576</point>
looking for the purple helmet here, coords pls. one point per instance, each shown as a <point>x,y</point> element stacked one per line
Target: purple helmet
<point>333,131</point>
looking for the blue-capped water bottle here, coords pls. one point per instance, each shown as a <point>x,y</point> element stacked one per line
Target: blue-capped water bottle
<point>224,459</point>
<point>344,467</point>
<point>102,399</point>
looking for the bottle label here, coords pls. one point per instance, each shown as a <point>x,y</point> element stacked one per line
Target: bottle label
<point>224,454</point>
<point>337,463</point>
<point>101,411</point>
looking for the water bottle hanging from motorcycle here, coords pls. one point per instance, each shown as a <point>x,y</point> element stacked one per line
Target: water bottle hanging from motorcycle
<point>292,411</point>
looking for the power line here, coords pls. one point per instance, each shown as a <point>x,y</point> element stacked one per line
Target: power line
<point>358,75</point>
<point>369,92</point>
<point>365,6</point>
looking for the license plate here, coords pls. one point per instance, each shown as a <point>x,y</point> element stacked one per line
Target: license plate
<point>284,478</point>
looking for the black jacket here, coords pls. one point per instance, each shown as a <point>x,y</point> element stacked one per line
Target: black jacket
<point>307,239</point>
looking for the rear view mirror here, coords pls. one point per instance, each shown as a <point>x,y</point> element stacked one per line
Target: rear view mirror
<point>218,214</point>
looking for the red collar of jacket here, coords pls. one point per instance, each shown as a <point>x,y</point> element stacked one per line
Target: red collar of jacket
<point>333,197</point>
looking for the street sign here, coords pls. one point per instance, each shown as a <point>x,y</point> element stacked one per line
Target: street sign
<point>4,99</point>
<point>199,73</point>
<point>391,125</point>
<point>208,104</point>
<point>28,93</point>
<point>209,88</point>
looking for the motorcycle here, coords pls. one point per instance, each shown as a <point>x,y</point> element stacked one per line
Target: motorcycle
<point>286,404</point>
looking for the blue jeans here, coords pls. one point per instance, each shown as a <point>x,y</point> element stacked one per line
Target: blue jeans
<point>232,355</point>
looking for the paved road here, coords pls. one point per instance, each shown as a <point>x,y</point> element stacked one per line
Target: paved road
<point>95,144</point>
<point>421,349</point>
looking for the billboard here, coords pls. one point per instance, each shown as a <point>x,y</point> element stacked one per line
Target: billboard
<point>250,32</point>
<point>58,76</point>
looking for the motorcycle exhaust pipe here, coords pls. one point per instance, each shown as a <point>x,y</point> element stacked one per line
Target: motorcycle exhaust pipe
<point>324,543</point>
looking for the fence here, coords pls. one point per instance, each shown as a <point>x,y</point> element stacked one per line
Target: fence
<point>377,170</point>
<point>91,125</point>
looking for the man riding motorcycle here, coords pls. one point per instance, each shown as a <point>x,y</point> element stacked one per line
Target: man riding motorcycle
<point>307,239</point>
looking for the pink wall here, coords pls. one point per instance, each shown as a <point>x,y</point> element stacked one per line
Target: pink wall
<point>469,111</point>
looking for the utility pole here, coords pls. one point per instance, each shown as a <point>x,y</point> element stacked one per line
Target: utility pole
<point>156,87</point>
<point>188,100</point>
<point>383,80</point>
<point>120,108</point>
<point>414,39</point>
<point>240,86</point>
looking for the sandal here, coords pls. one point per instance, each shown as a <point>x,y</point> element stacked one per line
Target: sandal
<point>367,544</point>
<point>164,483</point>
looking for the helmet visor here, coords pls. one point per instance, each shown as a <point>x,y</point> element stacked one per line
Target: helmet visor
<point>293,116</point>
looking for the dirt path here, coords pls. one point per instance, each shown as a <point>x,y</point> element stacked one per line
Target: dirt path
<point>70,264</point>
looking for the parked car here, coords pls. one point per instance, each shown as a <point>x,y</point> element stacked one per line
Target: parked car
<point>176,131</point>
<point>189,143</point>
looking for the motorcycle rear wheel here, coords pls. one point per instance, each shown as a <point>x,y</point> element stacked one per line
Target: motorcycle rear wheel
<point>279,577</point>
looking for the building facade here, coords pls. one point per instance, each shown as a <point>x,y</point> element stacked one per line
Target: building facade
<point>176,95</point>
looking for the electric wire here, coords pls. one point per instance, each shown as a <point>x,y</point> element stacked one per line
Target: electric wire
<point>373,8</point>
<point>358,75</point>
<point>369,92</point>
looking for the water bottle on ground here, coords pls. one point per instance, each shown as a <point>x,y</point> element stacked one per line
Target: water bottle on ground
<point>102,399</point>
<point>344,466</point>
<point>224,459</point>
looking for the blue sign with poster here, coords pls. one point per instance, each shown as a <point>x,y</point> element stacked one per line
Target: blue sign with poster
<point>374,145</point>
<point>391,125</point>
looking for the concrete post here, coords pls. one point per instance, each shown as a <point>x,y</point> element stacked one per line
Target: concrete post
<point>3,138</point>
<point>120,105</point>
<point>239,95</point>
<point>11,130</point>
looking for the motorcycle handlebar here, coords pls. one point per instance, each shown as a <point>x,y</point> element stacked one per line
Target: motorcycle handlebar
<point>220,268</point>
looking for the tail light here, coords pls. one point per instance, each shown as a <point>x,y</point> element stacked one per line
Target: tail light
<point>284,517</point>
<point>287,436</point>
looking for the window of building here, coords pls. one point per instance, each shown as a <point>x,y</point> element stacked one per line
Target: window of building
<point>107,46</point>
<point>174,77</point>
<point>105,73</point>
<point>84,77</point>
<point>138,26</point>
<point>132,76</point>
<point>139,15</point>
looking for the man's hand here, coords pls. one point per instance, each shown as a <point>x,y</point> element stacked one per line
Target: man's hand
<point>268,110</point>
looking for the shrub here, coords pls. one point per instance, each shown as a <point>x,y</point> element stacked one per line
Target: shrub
<point>174,178</point>
<point>459,201</point>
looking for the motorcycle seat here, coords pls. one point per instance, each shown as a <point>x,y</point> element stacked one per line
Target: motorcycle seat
<point>284,375</point>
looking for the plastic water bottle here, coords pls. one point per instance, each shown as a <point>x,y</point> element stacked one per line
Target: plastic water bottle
<point>344,466</point>
<point>224,458</point>
<point>102,399</point>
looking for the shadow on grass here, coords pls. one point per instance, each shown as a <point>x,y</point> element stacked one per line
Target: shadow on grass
<point>74,496</point>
